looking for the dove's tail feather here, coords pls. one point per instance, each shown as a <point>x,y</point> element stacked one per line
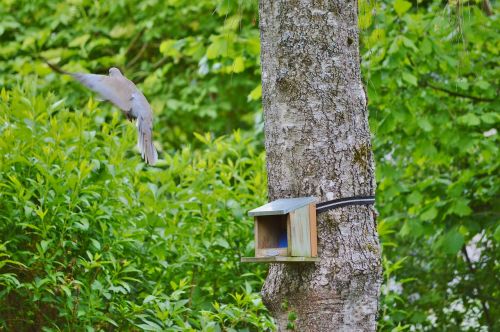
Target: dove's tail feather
<point>145,142</point>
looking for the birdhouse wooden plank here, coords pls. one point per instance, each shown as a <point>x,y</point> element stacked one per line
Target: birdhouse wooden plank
<point>281,206</point>
<point>300,232</point>
<point>285,231</point>
<point>278,259</point>
<point>314,232</point>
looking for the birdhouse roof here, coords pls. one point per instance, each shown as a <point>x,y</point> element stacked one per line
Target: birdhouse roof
<point>281,206</point>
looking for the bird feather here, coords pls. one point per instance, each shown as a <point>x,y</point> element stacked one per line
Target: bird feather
<point>115,89</point>
<point>125,95</point>
<point>142,111</point>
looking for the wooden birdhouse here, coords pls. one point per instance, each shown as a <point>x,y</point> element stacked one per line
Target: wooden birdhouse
<point>285,231</point>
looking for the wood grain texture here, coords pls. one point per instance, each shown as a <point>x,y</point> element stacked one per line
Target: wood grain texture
<point>289,235</point>
<point>300,242</point>
<point>313,230</point>
<point>270,252</point>
<point>279,259</point>
<point>256,234</point>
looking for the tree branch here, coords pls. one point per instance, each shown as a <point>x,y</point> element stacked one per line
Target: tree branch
<point>134,41</point>
<point>472,270</point>
<point>138,56</point>
<point>456,94</point>
<point>487,9</point>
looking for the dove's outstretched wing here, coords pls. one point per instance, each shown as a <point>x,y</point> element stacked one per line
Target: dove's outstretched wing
<point>142,111</point>
<point>117,90</point>
<point>124,94</point>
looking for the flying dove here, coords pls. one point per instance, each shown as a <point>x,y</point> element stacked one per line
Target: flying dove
<point>123,93</point>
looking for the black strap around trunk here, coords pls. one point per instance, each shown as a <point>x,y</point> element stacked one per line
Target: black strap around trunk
<point>336,203</point>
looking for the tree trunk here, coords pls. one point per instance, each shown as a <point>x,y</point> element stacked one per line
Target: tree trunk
<point>318,144</point>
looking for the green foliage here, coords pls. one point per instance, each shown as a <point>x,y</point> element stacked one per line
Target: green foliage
<point>90,238</point>
<point>196,61</point>
<point>432,78</point>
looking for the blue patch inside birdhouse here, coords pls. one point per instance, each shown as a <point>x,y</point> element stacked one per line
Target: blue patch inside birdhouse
<point>283,240</point>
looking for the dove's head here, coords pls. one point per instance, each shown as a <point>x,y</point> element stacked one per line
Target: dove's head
<point>114,72</point>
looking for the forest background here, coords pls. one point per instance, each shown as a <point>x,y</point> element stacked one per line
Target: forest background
<point>91,239</point>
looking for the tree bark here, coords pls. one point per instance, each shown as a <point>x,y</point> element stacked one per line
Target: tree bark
<point>318,144</point>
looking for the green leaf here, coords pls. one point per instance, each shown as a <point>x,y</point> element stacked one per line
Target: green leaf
<point>66,290</point>
<point>490,118</point>
<point>412,228</point>
<point>218,47</point>
<point>44,244</point>
<point>496,235</point>
<point>426,47</point>
<point>365,18</point>
<point>150,326</point>
<point>79,41</point>
<point>410,78</point>
<point>483,85</point>
<point>256,93</point>
<point>409,44</point>
<point>109,320</point>
<point>253,46</point>
<point>424,124</point>
<point>120,31</point>
<point>148,299</point>
<point>462,84</point>
<point>171,47</point>
<point>83,224</point>
<point>429,214</point>
<point>5,95</point>
<point>96,244</point>
<point>469,119</point>
<point>238,64</point>
<point>452,242</point>
<point>415,198</point>
<point>461,207</point>
<point>223,243</point>
<point>401,7</point>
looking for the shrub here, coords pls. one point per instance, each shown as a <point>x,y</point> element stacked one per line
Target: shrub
<point>92,239</point>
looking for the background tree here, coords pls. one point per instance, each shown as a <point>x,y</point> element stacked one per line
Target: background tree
<point>432,76</point>
<point>318,144</point>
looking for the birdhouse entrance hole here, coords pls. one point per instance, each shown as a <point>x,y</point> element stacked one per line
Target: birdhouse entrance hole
<point>271,235</point>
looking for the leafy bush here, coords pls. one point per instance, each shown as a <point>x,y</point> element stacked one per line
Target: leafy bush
<point>90,238</point>
<point>432,76</point>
